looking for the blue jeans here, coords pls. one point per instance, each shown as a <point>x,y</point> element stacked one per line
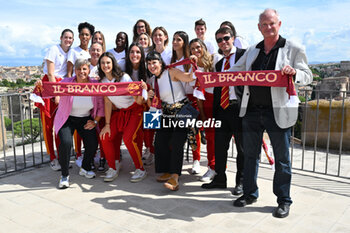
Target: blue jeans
<point>256,120</point>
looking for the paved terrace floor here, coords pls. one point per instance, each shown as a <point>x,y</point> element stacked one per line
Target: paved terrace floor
<point>31,202</point>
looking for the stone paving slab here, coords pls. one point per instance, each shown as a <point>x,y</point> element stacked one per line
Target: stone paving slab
<point>31,202</point>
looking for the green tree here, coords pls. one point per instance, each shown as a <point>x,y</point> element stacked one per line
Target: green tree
<point>27,131</point>
<point>8,123</point>
<point>5,83</point>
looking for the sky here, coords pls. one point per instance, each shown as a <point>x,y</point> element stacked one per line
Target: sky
<point>28,28</point>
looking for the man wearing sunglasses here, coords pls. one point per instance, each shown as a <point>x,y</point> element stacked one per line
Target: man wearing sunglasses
<point>226,106</point>
<point>270,109</point>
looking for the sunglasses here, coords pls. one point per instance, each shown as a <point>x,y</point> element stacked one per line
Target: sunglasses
<point>225,38</point>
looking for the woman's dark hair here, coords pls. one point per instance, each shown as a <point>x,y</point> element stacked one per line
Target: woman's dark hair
<point>165,33</point>
<point>66,30</point>
<point>142,65</point>
<point>126,45</point>
<point>154,55</point>
<point>90,27</point>
<point>148,29</point>
<point>230,25</point>
<point>185,49</point>
<point>117,73</point>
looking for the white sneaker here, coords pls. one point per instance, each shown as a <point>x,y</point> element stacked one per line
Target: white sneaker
<point>111,174</point>
<point>145,154</point>
<point>87,174</point>
<point>79,161</point>
<point>208,176</point>
<point>138,175</point>
<point>55,165</point>
<point>196,168</point>
<point>149,160</point>
<point>64,182</point>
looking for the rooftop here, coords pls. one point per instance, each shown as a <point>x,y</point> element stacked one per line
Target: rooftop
<point>31,202</point>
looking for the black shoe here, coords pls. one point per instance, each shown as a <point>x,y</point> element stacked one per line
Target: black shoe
<point>243,201</point>
<point>203,139</point>
<point>214,185</point>
<point>281,211</point>
<point>238,190</point>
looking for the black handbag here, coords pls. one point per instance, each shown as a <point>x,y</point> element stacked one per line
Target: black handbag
<point>187,111</point>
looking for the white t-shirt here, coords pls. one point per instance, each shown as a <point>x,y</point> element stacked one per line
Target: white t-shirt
<point>117,56</point>
<point>188,86</point>
<point>165,89</point>
<point>199,94</point>
<point>56,55</point>
<point>120,101</point>
<point>76,53</point>
<point>122,64</point>
<point>166,55</point>
<point>210,46</point>
<point>93,72</point>
<point>240,43</point>
<point>81,106</point>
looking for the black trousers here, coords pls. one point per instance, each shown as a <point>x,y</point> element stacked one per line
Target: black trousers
<point>231,124</point>
<point>66,142</point>
<point>169,149</point>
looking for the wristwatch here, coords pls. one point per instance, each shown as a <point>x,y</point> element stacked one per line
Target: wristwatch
<point>95,122</point>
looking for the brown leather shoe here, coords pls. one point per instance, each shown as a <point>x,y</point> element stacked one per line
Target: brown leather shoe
<point>163,178</point>
<point>172,184</point>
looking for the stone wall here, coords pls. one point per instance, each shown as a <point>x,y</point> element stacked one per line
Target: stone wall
<point>334,84</point>
<point>324,121</point>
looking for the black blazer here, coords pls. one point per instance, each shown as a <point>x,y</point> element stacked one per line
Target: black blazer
<point>217,90</point>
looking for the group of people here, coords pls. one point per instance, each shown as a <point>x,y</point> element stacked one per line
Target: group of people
<point>245,112</point>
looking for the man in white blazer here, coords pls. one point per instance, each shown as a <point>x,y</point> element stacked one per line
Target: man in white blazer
<point>270,109</point>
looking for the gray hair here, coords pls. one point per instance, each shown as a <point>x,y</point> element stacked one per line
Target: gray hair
<point>80,62</point>
<point>269,10</point>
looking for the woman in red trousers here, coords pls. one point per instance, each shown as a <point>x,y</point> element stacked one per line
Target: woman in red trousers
<point>123,123</point>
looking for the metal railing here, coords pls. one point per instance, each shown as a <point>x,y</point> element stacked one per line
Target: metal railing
<point>21,134</point>
<point>320,140</point>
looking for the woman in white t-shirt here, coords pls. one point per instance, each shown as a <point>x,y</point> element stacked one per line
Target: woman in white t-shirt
<point>55,68</point>
<point>181,51</point>
<point>136,68</point>
<point>169,140</point>
<point>122,44</point>
<point>82,51</point>
<point>145,40</point>
<point>98,37</point>
<point>123,123</point>
<point>95,51</point>
<point>206,63</point>
<point>141,26</point>
<point>160,41</point>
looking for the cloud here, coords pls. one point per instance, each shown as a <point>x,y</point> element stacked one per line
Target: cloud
<point>28,28</point>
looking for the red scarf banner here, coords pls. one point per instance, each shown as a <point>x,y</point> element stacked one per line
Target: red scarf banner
<point>156,102</point>
<point>270,78</point>
<point>183,62</point>
<point>50,89</point>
